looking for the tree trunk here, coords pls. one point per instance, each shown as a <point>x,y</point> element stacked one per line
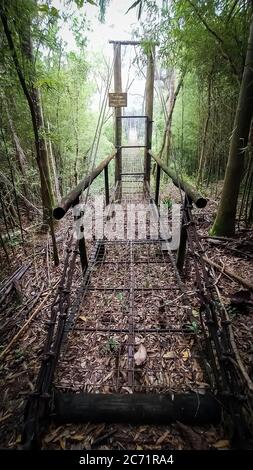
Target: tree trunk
<point>76,130</point>
<point>32,95</point>
<point>53,165</point>
<point>167,131</point>
<point>224,224</point>
<point>202,160</point>
<point>20,155</point>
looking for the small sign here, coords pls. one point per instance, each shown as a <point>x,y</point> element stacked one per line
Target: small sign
<point>117,100</point>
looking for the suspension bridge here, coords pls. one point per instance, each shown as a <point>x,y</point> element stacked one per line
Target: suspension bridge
<point>119,350</point>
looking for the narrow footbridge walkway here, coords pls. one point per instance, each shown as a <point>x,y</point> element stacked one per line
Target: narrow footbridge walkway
<point>131,343</point>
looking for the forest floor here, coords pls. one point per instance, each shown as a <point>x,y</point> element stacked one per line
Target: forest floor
<point>29,300</point>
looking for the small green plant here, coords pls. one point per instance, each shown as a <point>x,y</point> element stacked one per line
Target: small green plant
<point>194,327</point>
<point>119,296</point>
<point>111,346</point>
<point>18,353</point>
<point>232,310</point>
<point>168,202</point>
<point>15,240</point>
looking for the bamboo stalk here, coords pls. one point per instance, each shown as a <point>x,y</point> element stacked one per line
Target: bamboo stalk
<point>229,273</point>
<point>20,332</point>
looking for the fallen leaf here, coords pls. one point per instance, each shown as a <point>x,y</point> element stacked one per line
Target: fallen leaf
<point>50,437</point>
<point>222,444</point>
<point>141,355</point>
<point>128,389</point>
<point>78,437</point>
<point>195,313</point>
<point>82,318</point>
<point>138,340</point>
<point>162,438</point>
<point>169,355</point>
<point>62,443</point>
<point>186,354</point>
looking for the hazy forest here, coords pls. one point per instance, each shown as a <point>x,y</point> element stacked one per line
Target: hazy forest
<point>126,211</point>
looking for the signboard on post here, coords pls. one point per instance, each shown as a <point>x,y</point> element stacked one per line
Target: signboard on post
<point>117,100</point>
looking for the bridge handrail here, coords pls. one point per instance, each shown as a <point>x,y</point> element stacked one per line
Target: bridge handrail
<point>199,200</point>
<point>72,197</point>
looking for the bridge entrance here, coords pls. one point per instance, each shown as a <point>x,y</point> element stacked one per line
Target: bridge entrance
<point>133,152</point>
<point>133,133</point>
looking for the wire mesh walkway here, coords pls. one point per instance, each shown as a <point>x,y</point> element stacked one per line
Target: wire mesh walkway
<point>133,305</point>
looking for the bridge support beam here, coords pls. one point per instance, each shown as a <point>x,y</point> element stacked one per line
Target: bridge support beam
<point>188,408</point>
<point>181,252</point>
<point>149,100</point>
<point>118,111</point>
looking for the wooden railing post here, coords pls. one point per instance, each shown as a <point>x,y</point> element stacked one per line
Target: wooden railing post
<point>157,187</point>
<point>181,252</point>
<point>81,242</point>
<point>107,194</point>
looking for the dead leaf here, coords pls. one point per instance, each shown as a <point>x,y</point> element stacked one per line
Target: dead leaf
<point>78,437</point>
<point>162,438</point>
<point>186,354</point>
<point>169,355</point>
<point>82,318</point>
<point>138,340</point>
<point>128,389</point>
<point>62,444</point>
<point>195,313</point>
<point>222,444</point>
<point>50,437</point>
<point>141,355</point>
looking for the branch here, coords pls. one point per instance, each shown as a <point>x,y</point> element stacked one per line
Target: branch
<point>219,41</point>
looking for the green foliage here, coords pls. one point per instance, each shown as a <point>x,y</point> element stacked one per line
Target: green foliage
<point>65,80</point>
<point>193,327</point>
<point>112,345</point>
<point>168,202</point>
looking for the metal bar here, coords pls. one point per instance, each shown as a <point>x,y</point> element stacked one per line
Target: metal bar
<point>137,330</point>
<point>131,117</point>
<point>183,237</point>
<point>83,254</point>
<point>145,241</point>
<point>131,339</point>
<point>132,174</point>
<point>157,187</point>
<point>133,146</point>
<point>155,261</point>
<point>126,43</point>
<point>107,194</point>
<point>127,289</point>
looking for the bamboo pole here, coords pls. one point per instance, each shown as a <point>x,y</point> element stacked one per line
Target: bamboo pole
<point>192,193</point>
<point>21,331</point>
<point>72,197</point>
<point>229,273</point>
